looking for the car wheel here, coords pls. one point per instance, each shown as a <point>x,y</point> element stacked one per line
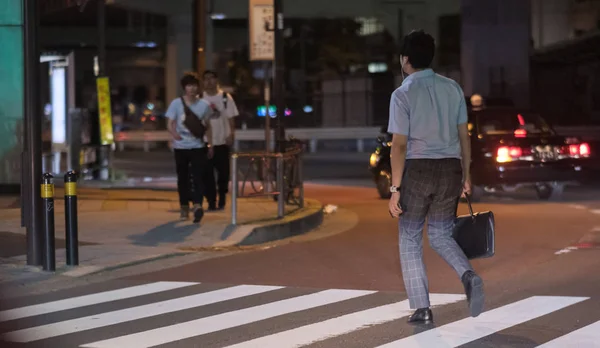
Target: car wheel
<point>384,181</point>
<point>553,192</point>
<point>557,192</point>
<point>544,191</point>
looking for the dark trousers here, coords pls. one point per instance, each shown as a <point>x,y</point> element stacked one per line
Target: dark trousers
<point>219,163</point>
<point>431,189</point>
<point>190,166</point>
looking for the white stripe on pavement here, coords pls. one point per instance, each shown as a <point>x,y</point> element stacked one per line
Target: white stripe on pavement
<point>471,329</point>
<point>588,337</point>
<point>309,334</point>
<point>88,300</point>
<point>227,320</point>
<point>134,313</point>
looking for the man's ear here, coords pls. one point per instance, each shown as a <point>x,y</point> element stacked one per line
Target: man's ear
<point>404,60</point>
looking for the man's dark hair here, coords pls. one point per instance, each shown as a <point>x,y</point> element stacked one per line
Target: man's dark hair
<point>419,47</point>
<point>189,78</point>
<point>211,73</point>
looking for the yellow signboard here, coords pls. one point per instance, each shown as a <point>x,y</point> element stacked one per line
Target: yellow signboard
<point>104,111</point>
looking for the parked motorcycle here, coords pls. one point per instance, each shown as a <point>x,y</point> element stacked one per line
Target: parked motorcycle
<point>379,164</point>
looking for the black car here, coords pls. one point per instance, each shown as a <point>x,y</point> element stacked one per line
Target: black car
<point>510,148</point>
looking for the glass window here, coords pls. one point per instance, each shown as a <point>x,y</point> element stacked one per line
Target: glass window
<point>508,121</point>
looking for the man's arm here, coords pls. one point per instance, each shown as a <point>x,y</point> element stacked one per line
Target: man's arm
<point>172,128</point>
<point>465,147</point>
<point>398,126</point>
<point>465,142</point>
<point>232,127</point>
<point>232,113</point>
<point>398,157</point>
<point>206,120</point>
<point>171,115</point>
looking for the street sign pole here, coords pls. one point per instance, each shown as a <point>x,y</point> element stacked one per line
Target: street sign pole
<point>279,84</point>
<point>30,186</point>
<point>104,153</point>
<point>263,48</point>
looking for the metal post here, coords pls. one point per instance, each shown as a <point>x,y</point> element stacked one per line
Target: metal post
<point>208,34</point>
<point>267,160</point>
<point>267,115</point>
<point>101,37</point>
<point>71,224</point>
<point>74,123</point>
<point>24,187</point>
<point>279,85</point>
<point>199,35</point>
<point>104,150</point>
<point>234,188</point>
<point>280,187</point>
<point>47,195</point>
<point>300,169</point>
<point>33,136</point>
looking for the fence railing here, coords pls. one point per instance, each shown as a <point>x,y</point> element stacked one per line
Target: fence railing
<point>312,135</point>
<point>261,174</point>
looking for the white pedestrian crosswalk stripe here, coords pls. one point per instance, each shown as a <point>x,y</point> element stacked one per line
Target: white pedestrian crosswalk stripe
<point>135,313</point>
<point>267,307</point>
<point>227,320</point>
<point>470,329</point>
<point>92,299</point>
<point>319,331</point>
<point>587,337</point>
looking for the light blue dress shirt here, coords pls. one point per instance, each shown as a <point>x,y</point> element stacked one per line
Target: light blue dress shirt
<point>428,108</point>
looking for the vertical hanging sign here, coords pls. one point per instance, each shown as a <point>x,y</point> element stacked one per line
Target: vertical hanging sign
<point>261,24</point>
<point>104,111</point>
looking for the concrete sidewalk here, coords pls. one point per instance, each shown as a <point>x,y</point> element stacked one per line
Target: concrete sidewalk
<point>118,227</point>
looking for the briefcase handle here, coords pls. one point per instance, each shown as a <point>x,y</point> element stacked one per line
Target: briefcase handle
<point>469,204</point>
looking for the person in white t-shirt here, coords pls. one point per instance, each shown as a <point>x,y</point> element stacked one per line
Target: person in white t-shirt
<point>222,126</point>
<point>191,151</point>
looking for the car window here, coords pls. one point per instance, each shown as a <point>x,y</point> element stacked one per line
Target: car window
<point>501,122</point>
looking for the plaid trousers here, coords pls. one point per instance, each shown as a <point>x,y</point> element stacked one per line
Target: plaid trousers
<point>431,189</point>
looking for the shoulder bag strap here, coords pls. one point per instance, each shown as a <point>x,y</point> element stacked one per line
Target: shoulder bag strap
<point>186,108</point>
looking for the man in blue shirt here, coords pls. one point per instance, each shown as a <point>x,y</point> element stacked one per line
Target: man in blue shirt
<point>191,152</point>
<point>430,158</point>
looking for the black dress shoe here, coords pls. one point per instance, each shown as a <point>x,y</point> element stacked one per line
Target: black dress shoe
<point>421,316</point>
<point>198,214</point>
<point>474,290</point>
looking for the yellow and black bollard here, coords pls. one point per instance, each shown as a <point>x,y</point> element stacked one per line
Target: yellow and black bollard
<point>71,224</point>
<point>47,194</point>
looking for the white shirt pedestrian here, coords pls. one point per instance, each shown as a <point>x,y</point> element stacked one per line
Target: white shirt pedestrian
<point>221,115</point>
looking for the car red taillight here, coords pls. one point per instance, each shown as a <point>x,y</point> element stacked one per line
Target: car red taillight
<point>580,150</point>
<point>508,153</point>
<point>584,150</point>
<point>520,133</point>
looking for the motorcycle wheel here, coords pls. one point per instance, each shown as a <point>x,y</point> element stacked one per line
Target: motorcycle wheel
<point>384,181</point>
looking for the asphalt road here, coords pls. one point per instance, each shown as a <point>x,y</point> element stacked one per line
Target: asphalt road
<point>344,291</point>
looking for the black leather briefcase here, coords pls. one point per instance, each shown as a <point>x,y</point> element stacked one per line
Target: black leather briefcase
<point>475,233</point>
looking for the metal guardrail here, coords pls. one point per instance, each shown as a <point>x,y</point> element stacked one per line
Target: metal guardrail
<point>276,174</point>
<point>312,135</point>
